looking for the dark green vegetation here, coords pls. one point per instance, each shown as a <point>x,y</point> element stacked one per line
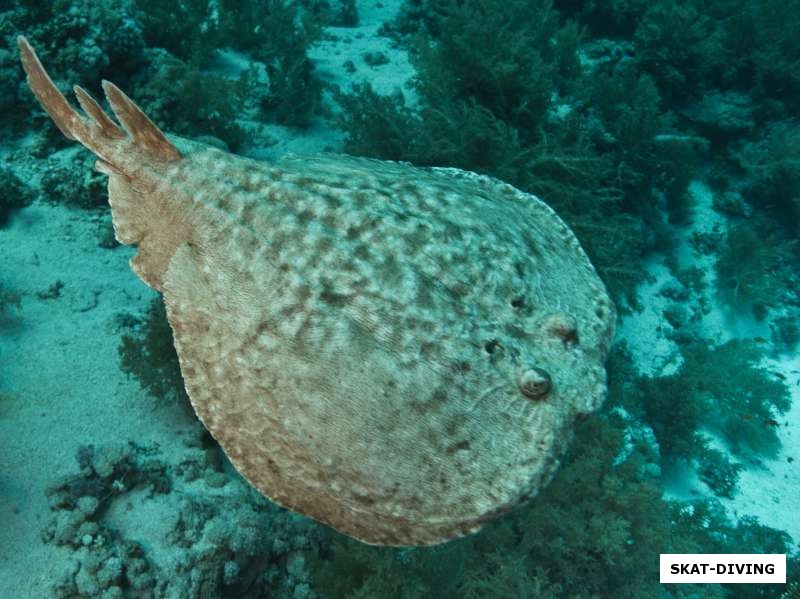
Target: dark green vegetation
<point>757,267</point>
<point>149,355</point>
<point>14,194</point>
<point>9,300</point>
<point>273,32</point>
<point>167,55</point>
<point>721,390</point>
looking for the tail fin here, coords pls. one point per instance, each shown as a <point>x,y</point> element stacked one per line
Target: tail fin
<point>99,133</point>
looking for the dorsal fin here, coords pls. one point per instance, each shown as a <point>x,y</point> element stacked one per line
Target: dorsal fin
<point>98,133</point>
<point>144,132</point>
<point>93,109</point>
<point>51,99</point>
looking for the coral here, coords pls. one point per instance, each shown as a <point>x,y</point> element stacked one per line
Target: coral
<point>87,40</point>
<point>718,472</point>
<point>192,101</point>
<point>682,47</point>
<point>59,185</point>
<point>14,194</point>
<point>723,389</point>
<point>149,355</point>
<point>227,542</point>
<point>79,501</point>
<point>757,267</point>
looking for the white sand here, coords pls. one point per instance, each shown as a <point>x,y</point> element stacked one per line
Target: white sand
<point>60,364</point>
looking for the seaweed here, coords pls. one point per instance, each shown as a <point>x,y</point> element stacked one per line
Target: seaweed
<point>336,13</point>
<point>617,18</point>
<point>149,355</point>
<point>774,31</point>
<point>14,194</point>
<point>187,29</point>
<point>756,267</point>
<point>786,329</point>
<point>74,182</point>
<point>719,472</point>
<point>517,79</point>
<point>682,47</point>
<point>650,161</point>
<point>193,102</point>
<point>276,33</point>
<point>295,93</point>
<point>191,32</point>
<point>723,389</point>
<point>770,169</point>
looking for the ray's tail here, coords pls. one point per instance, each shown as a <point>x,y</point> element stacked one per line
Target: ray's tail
<point>97,131</point>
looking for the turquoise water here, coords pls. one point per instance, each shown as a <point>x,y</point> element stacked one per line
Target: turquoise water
<point>664,134</point>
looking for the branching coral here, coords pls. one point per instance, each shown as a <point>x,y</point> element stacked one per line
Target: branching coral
<point>757,267</point>
<point>721,389</point>
<point>59,185</point>
<point>149,355</point>
<point>14,194</point>
<point>192,101</point>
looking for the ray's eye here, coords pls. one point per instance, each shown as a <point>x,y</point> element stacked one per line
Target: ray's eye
<point>491,346</point>
<point>534,383</point>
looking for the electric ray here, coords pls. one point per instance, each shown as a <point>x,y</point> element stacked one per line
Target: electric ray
<point>398,352</point>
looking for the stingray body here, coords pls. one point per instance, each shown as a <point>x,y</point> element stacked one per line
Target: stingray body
<point>400,353</point>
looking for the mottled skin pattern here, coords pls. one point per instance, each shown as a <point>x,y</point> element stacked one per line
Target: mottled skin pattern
<point>355,333</point>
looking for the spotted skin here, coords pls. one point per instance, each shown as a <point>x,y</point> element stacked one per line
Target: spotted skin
<point>398,352</point>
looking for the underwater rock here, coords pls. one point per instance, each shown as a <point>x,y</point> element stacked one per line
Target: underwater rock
<point>14,194</point>
<point>731,203</point>
<point>220,542</point>
<point>398,352</point>
<point>722,114</point>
